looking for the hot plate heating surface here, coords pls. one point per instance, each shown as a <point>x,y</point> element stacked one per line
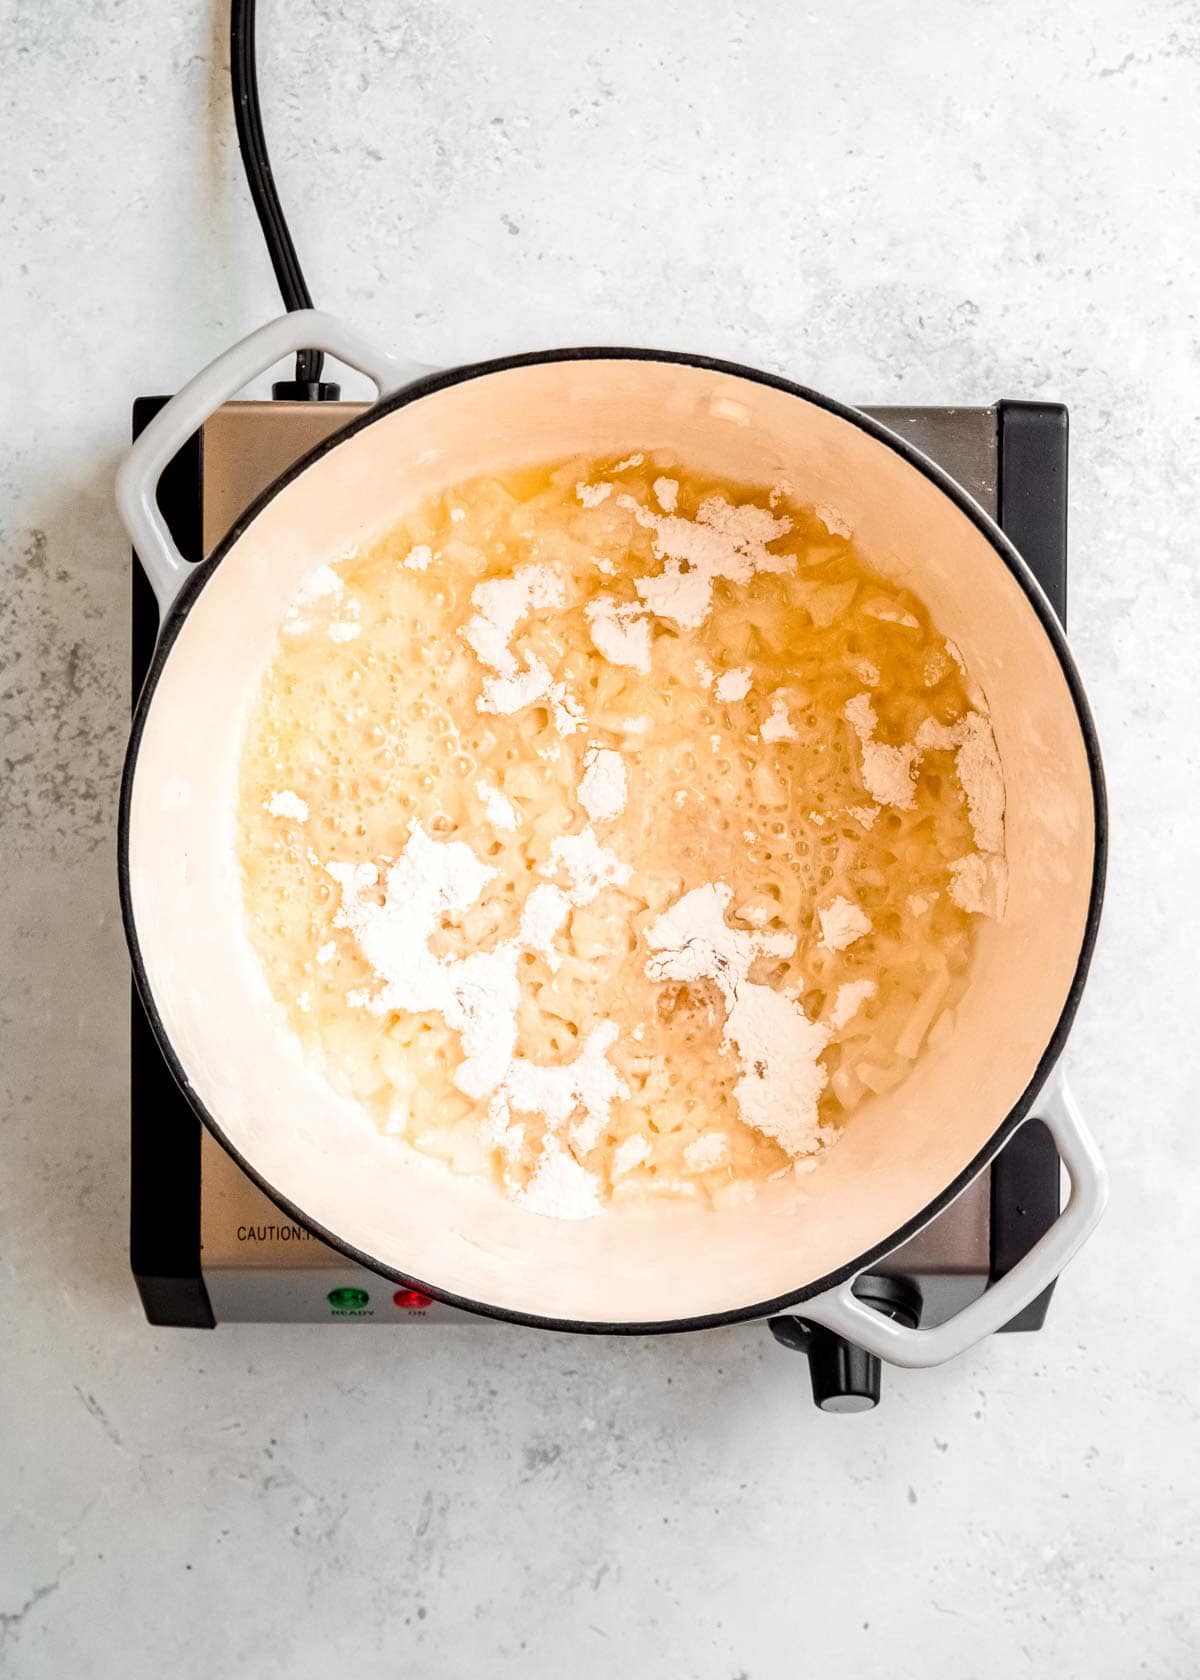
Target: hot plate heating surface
<point>207,1245</point>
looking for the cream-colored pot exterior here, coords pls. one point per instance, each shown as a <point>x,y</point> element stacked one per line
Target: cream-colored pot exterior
<point>661,1263</point>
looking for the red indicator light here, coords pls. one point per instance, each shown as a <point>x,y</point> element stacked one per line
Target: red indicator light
<point>412,1300</point>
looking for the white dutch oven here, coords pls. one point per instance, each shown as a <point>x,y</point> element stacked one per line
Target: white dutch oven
<point>903,1157</point>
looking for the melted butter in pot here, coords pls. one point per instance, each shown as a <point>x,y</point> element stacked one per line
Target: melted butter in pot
<point>609,831</point>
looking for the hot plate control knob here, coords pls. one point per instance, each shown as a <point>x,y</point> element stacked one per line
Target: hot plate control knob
<point>844,1378</point>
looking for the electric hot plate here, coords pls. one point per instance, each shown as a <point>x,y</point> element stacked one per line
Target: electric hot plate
<point>208,1247</point>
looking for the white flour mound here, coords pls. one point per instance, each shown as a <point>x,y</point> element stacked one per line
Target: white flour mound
<point>478,996</point>
<point>777,1046</point>
<point>723,541</point>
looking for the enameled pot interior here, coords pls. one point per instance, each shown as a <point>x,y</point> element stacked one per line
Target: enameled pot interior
<point>662,1261</point>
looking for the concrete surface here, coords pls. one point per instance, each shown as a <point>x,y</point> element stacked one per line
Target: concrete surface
<point>949,203</point>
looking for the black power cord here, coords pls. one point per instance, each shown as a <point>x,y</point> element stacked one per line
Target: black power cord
<point>307,385</point>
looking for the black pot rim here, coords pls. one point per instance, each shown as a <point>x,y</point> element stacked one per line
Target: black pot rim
<point>177,614</point>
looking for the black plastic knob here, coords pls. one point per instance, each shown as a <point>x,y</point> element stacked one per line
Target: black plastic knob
<point>305,390</point>
<point>844,1377</point>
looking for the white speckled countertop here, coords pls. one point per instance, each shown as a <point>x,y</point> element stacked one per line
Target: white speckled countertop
<point>948,204</point>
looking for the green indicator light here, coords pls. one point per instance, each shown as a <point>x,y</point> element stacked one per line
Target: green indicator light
<point>348,1300</point>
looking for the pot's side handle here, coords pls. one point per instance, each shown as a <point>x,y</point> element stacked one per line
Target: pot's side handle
<point>840,1310</point>
<point>174,424</point>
